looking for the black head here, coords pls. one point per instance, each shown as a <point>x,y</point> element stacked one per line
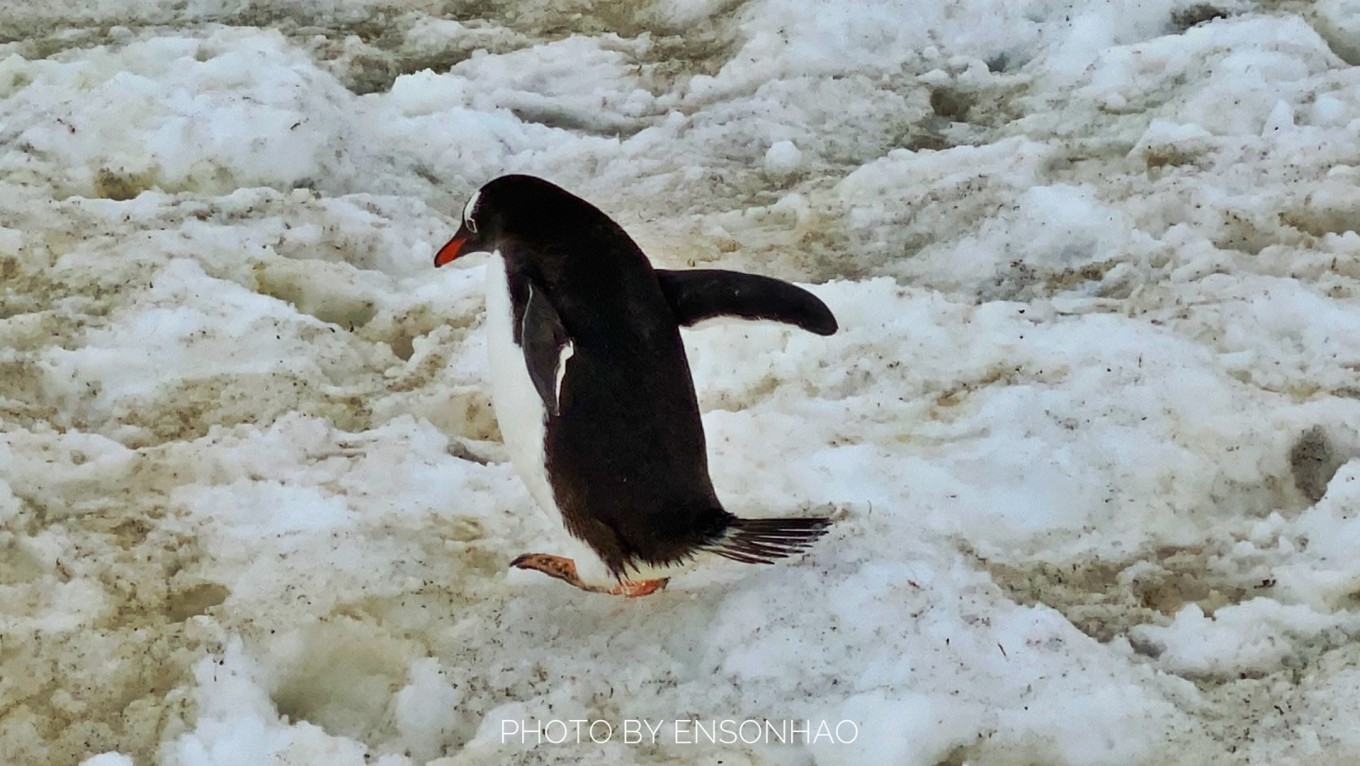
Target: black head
<point>516,207</point>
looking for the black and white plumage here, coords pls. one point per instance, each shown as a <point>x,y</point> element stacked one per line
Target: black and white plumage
<point>593,391</point>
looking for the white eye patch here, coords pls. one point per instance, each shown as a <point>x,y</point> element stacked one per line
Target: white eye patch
<point>469,209</point>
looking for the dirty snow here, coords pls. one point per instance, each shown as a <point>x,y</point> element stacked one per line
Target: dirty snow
<point>1088,431</point>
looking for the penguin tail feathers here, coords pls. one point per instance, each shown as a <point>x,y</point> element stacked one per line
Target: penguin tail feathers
<point>763,541</point>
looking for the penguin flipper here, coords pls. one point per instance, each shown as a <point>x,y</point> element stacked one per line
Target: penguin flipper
<point>546,345</point>
<point>699,294</point>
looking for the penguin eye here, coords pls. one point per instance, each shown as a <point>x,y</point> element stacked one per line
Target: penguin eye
<point>469,209</point>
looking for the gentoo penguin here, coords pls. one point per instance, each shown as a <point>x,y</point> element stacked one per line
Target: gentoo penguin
<point>593,392</point>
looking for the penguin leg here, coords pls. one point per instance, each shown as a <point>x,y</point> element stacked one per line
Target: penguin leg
<point>564,569</point>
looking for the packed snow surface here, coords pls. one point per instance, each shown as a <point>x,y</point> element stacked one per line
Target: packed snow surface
<point>1090,430</point>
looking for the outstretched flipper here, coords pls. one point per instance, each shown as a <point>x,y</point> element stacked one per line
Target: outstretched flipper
<point>700,294</point>
<point>546,347</point>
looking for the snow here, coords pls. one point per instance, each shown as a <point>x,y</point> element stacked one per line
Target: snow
<point>782,159</point>
<point>1089,432</point>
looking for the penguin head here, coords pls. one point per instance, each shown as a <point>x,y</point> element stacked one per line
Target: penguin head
<point>518,207</point>
<point>475,233</point>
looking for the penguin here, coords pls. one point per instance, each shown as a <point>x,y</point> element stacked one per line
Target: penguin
<point>593,392</point>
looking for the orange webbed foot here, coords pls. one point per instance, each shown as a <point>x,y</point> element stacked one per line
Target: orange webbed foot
<point>636,588</point>
<point>564,569</point>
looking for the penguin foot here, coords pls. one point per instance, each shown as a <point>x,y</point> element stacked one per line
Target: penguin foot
<point>635,588</point>
<point>564,569</point>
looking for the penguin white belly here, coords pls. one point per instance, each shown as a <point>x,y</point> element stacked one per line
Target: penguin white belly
<point>523,418</point>
<point>519,410</point>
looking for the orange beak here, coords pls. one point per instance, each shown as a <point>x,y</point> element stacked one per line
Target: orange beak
<point>450,251</point>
